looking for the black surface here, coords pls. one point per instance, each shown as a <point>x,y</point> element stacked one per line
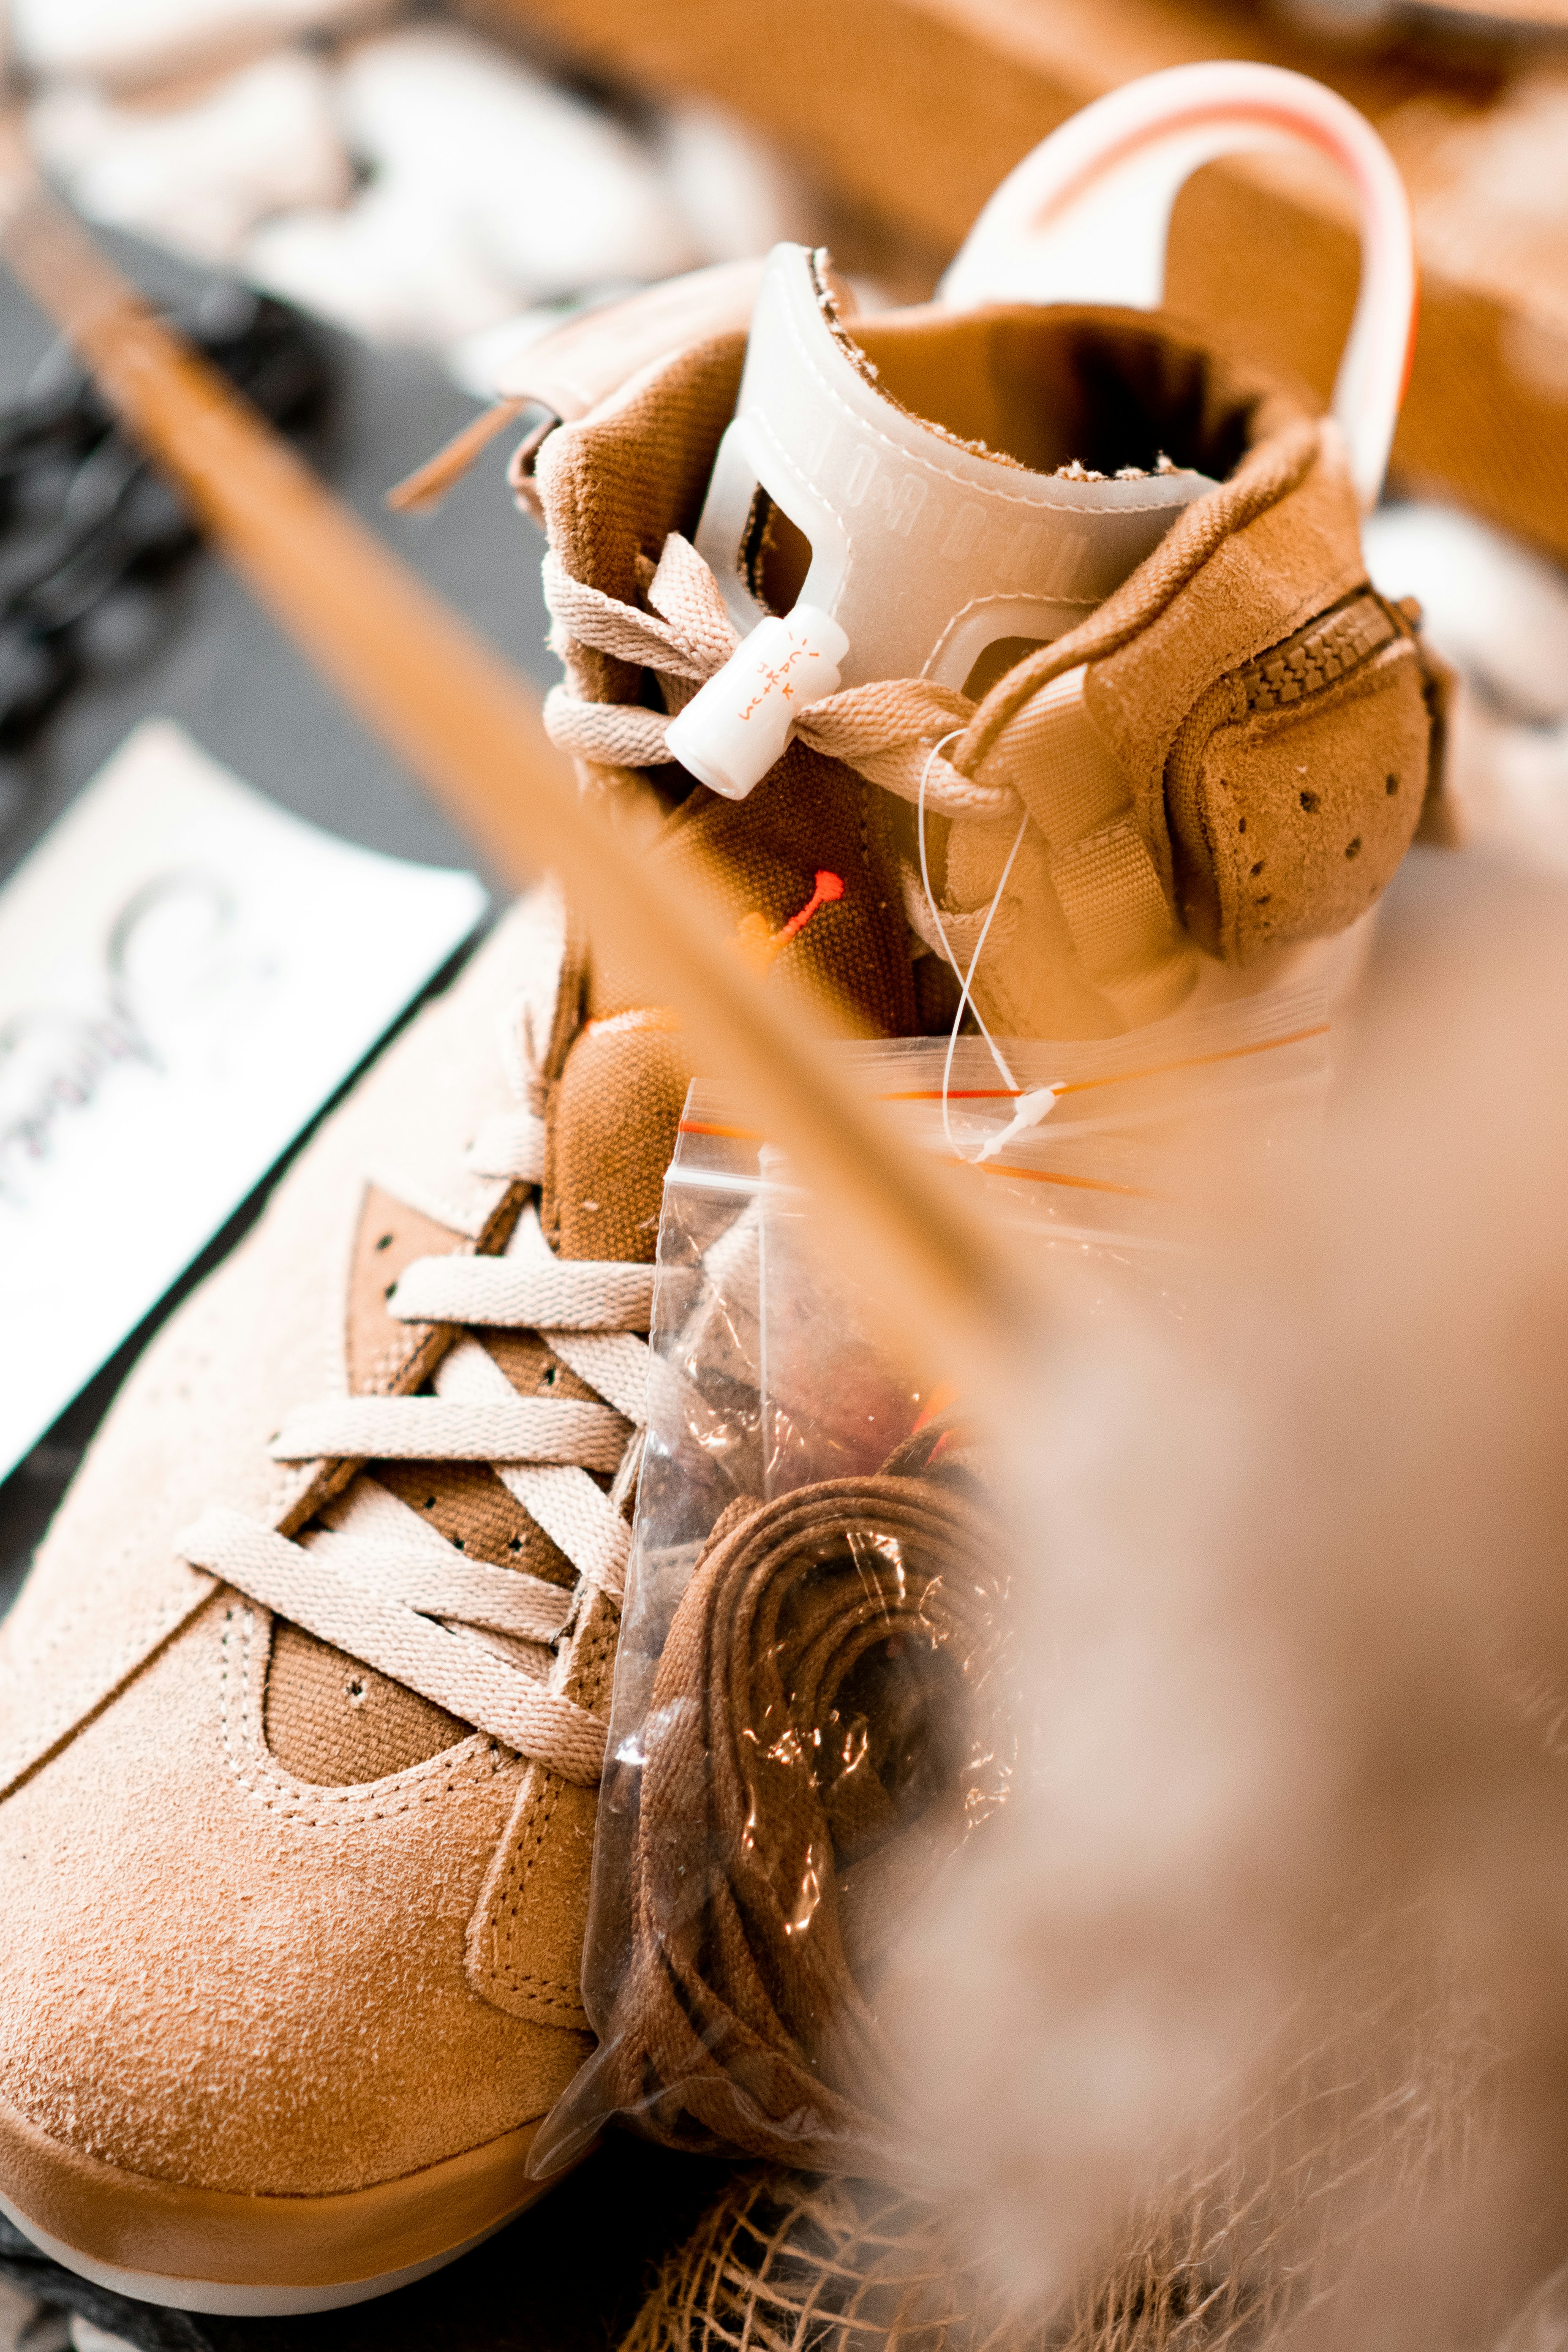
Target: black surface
<point>221,667</point>
<point>567,2276</point>
<point>91,533</point>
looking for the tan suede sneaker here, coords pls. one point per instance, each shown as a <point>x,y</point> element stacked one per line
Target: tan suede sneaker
<point>287,1942</point>
<point>301,1710</point>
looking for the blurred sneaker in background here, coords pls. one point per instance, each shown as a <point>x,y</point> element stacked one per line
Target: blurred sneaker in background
<point>132,42</point>
<point>419,188</point>
<point>1499,613</point>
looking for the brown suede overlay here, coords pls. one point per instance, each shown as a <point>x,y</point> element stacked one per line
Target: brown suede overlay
<point>1279,725</point>
<point>1296,558</point>
<point>212,1974</point>
<point>223,1982</point>
<point>1262,479</point>
<point>1289,823</point>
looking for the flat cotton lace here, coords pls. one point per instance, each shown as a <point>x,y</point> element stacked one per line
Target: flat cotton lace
<point>886,731</point>
<point>375,1579</point>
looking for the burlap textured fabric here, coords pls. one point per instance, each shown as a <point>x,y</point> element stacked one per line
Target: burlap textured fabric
<point>1376,2105</point>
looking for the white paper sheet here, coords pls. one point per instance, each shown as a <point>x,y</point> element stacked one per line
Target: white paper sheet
<point>187,973</point>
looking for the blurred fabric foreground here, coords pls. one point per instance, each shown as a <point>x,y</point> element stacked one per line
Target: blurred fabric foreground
<point>1257,2000</point>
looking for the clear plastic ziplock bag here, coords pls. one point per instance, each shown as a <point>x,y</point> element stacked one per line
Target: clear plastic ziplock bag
<point>814,1706</point>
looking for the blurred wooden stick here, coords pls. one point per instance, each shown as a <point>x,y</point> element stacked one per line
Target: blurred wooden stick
<point>470,728</point>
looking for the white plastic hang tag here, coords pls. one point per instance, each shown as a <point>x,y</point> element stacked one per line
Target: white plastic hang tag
<point>1086,218</point>
<point>730,734</point>
<point>925,551</point>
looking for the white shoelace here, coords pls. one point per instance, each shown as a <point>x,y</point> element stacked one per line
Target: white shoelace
<point>884,730</point>
<point>377,1580</point>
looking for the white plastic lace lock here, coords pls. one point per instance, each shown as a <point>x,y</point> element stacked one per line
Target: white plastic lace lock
<point>735,726</point>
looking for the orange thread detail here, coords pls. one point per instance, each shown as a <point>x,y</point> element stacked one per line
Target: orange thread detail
<point>778,675</point>
<point>759,945</point>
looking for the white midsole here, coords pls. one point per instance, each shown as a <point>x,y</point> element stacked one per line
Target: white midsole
<point>220,2300</point>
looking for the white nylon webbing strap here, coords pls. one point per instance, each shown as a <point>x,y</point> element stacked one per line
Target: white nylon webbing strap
<point>1120,917</point>
<point>449,1670</point>
<point>1128,942</point>
<point>507,1292</point>
<point>432,1429</point>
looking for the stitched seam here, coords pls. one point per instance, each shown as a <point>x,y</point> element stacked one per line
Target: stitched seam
<point>259,1780</point>
<point>534,1833</point>
<point>64,1720</point>
<point>541,1812</point>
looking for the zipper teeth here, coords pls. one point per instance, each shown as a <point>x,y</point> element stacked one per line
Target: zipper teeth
<point>1319,654</point>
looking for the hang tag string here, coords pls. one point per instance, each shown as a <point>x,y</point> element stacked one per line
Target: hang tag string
<point>1034,1104</point>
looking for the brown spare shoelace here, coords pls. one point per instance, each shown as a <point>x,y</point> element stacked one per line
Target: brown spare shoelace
<point>826,1723</point>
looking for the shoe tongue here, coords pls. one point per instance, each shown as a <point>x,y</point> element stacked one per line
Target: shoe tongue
<point>926,549</point>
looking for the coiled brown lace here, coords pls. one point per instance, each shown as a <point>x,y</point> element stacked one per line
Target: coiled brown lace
<point>826,1721</point>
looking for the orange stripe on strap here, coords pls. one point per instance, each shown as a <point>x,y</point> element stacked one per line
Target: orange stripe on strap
<point>1053,1176</point>
<point>1111,1077</point>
